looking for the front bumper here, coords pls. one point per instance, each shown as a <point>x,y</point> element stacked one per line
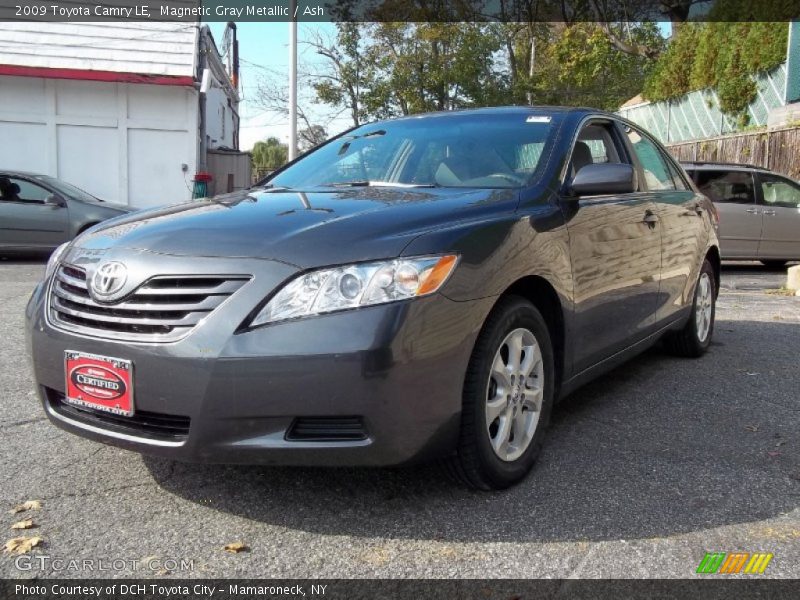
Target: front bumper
<point>398,368</point>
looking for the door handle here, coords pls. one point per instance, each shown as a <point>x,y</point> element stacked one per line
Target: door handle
<point>752,211</point>
<point>650,218</point>
<point>698,209</point>
<point>768,213</point>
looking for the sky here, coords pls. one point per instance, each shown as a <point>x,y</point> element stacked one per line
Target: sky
<point>266,45</point>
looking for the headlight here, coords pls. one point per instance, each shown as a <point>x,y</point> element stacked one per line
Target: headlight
<point>52,262</point>
<point>352,286</point>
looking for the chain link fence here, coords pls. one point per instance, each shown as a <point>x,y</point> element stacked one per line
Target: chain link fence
<point>696,115</point>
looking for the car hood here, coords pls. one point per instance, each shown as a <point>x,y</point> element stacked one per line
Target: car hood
<point>113,207</point>
<point>302,228</point>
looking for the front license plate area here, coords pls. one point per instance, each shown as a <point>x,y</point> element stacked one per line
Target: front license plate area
<point>98,382</point>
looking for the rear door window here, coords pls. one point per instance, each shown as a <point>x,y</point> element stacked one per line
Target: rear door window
<point>735,187</point>
<point>655,166</point>
<point>677,177</point>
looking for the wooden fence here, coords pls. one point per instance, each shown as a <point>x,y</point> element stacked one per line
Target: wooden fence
<point>777,149</point>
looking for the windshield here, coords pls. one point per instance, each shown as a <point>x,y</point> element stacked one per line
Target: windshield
<point>457,150</point>
<point>67,189</point>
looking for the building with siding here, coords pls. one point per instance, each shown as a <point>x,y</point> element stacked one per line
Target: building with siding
<point>120,109</point>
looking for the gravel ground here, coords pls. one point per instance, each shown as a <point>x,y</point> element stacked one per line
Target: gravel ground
<point>644,471</point>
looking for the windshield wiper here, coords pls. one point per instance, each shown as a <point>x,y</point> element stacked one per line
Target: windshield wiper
<point>270,187</point>
<point>368,183</point>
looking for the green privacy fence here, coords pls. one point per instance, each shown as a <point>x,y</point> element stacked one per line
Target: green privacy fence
<point>697,115</point>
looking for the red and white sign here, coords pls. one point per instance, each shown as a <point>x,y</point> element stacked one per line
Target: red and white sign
<point>99,382</point>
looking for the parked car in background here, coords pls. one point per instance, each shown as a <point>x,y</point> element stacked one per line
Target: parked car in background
<point>39,212</point>
<point>759,211</point>
<point>419,288</point>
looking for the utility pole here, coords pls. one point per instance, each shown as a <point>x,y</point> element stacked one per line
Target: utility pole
<point>293,81</point>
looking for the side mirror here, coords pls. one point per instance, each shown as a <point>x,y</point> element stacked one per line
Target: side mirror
<point>55,200</point>
<point>604,179</point>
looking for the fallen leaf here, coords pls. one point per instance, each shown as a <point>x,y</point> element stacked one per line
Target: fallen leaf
<point>29,505</point>
<point>24,524</point>
<point>751,374</point>
<point>779,444</point>
<point>22,545</point>
<point>751,427</point>
<point>235,547</point>
<point>774,453</point>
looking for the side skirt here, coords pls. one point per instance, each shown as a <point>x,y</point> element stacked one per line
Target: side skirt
<point>607,364</point>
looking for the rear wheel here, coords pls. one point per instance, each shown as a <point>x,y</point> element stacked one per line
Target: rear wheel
<point>774,264</point>
<point>694,339</point>
<point>508,395</point>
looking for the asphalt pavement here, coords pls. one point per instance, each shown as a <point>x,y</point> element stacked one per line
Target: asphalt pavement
<point>644,471</point>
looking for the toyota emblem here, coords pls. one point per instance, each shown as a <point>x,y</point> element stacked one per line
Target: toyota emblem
<point>108,279</point>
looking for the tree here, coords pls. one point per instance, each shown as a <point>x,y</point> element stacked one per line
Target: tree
<point>272,94</point>
<point>607,14</point>
<point>719,55</point>
<point>339,82</point>
<point>582,67</point>
<point>269,154</point>
<point>671,76</point>
<point>574,63</point>
<point>311,137</point>
<point>416,67</point>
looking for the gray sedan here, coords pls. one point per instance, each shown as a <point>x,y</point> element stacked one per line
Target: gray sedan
<point>416,289</point>
<point>39,212</point>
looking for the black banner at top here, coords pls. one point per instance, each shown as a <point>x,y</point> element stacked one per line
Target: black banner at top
<point>399,10</point>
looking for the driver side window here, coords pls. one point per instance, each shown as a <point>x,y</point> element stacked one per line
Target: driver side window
<point>595,145</point>
<point>779,192</point>
<point>20,190</point>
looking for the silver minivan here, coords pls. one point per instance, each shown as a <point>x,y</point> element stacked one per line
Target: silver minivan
<point>759,211</point>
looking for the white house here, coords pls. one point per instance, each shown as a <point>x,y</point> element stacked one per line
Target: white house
<point>120,109</point>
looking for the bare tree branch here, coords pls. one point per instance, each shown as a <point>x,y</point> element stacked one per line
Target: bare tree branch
<point>620,44</point>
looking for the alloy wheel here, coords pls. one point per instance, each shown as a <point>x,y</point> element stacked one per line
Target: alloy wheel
<point>704,304</point>
<point>514,394</point>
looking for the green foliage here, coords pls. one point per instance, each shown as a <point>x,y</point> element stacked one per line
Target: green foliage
<point>582,67</point>
<point>430,66</point>
<point>342,85</point>
<point>736,88</point>
<point>269,154</point>
<point>722,56</point>
<point>385,69</point>
<point>672,72</point>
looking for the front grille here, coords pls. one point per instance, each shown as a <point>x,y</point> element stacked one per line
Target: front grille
<point>162,309</point>
<point>151,425</point>
<point>327,429</point>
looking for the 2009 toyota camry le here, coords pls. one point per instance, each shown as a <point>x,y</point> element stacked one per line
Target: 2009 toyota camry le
<point>420,288</point>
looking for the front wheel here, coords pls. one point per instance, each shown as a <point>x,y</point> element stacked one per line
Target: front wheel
<point>694,339</point>
<point>508,395</point>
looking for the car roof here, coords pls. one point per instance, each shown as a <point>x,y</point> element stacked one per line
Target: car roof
<point>503,110</point>
<point>686,164</point>
<point>8,173</point>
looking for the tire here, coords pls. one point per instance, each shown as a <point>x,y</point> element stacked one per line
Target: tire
<point>694,339</point>
<point>527,405</point>
<point>774,264</point>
